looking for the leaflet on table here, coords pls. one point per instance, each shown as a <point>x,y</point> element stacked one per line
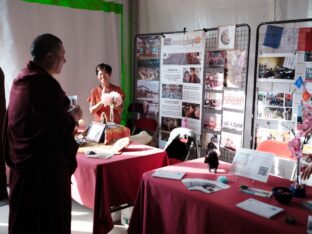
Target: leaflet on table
<point>252,164</point>
<point>175,175</point>
<point>259,208</point>
<point>206,186</point>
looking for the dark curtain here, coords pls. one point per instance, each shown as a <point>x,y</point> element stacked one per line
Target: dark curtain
<point>3,181</point>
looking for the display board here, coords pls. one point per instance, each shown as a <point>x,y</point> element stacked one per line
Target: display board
<point>225,87</point>
<point>169,92</point>
<point>283,75</point>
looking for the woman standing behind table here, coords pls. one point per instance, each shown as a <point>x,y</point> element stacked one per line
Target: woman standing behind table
<point>97,107</point>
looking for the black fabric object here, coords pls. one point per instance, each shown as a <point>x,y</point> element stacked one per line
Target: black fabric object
<point>175,148</point>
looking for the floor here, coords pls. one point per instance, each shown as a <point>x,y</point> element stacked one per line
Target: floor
<point>81,220</point>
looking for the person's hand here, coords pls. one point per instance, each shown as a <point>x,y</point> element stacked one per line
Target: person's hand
<point>76,112</point>
<point>307,172</point>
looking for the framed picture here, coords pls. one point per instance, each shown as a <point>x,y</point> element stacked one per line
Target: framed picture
<point>95,132</point>
<point>226,37</point>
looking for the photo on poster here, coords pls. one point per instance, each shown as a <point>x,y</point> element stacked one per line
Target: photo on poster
<point>215,58</point>
<point>263,134</point>
<point>150,107</point>
<point>308,56</point>
<point>147,90</point>
<point>191,75</point>
<point>211,142</point>
<point>233,121</point>
<point>235,68</point>
<point>191,58</point>
<point>231,141</point>
<point>308,74</point>
<point>226,37</point>
<point>276,113</point>
<point>148,69</point>
<point>191,110</point>
<point>148,47</point>
<point>214,81</point>
<point>233,99</point>
<point>169,123</point>
<point>164,135</point>
<point>212,121</point>
<point>272,68</point>
<point>172,91</point>
<point>213,100</point>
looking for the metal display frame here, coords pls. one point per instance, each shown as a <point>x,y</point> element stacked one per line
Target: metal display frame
<point>242,42</point>
<point>290,31</point>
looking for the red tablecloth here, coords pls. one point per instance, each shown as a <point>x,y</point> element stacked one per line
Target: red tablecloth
<point>167,206</point>
<point>102,183</point>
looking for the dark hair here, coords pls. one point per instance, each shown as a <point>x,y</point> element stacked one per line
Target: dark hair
<point>44,44</point>
<point>103,66</point>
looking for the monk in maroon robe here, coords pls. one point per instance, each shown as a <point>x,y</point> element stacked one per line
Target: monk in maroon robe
<point>3,181</point>
<point>40,146</point>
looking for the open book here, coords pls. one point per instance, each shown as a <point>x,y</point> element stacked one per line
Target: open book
<point>259,208</point>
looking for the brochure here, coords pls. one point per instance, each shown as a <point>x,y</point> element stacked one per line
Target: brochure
<point>252,164</point>
<point>175,175</point>
<point>259,208</point>
<point>203,185</point>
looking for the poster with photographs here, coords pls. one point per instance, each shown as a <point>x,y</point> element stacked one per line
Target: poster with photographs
<point>233,121</point>
<point>272,68</point>
<point>214,81</point>
<point>226,37</point>
<point>263,134</point>
<point>211,141</point>
<point>147,90</point>
<point>277,106</point>
<point>181,78</point>
<point>212,121</point>
<point>213,100</point>
<point>171,91</point>
<point>233,99</point>
<point>235,68</point>
<point>231,141</point>
<point>148,69</point>
<point>215,58</point>
<point>148,47</point>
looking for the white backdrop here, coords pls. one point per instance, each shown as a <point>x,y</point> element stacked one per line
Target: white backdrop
<point>89,37</point>
<point>174,15</point>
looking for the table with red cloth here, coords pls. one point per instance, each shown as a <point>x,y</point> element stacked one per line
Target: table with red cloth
<point>167,206</point>
<point>104,183</point>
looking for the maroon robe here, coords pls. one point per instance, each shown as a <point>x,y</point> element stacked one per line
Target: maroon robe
<point>3,181</point>
<point>41,151</point>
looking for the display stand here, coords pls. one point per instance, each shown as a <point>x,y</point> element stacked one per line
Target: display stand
<point>229,94</point>
<point>283,71</point>
<point>225,91</point>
